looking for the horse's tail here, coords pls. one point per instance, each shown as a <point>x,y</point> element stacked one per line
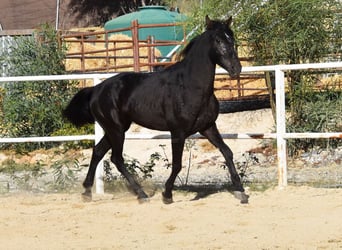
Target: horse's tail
<point>78,110</point>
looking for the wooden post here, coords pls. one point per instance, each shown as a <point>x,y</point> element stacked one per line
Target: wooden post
<point>83,59</point>
<point>82,54</point>
<point>151,52</point>
<point>107,52</point>
<point>114,54</point>
<point>135,39</point>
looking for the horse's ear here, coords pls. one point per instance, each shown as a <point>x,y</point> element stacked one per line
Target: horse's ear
<point>208,23</point>
<point>229,21</point>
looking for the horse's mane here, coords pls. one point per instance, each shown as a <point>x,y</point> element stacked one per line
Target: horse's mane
<point>215,25</point>
<point>187,48</point>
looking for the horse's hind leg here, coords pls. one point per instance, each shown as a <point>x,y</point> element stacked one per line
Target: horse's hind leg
<point>117,141</point>
<point>177,152</point>
<point>213,135</point>
<point>99,150</point>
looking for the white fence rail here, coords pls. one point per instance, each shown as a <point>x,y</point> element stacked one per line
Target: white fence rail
<point>280,135</point>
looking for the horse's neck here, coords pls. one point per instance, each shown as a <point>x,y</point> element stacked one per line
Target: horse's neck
<point>200,69</point>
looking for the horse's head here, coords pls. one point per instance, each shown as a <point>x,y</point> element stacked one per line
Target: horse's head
<point>224,52</point>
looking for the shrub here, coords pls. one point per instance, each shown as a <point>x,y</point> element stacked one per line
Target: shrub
<point>65,174</point>
<point>69,129</point>
<point>143,171</point>
<point>34,108</point>
<point>320,112</point>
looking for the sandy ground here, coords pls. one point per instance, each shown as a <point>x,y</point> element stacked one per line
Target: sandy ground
<point>295,218</point>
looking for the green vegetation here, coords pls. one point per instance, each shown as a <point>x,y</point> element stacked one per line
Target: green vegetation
<point>291,32</point>
<point>60,175</point>
<point>34,108</point>
<point>69,129</point>
<point>294,32</point>
<point>65,174</point>
<point>9,166</point>
<point>143,171</point>
<point>320,112</point>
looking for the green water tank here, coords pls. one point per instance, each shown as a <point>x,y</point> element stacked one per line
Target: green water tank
<point>152,15</point>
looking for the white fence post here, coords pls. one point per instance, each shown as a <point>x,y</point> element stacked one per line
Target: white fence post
<point>99,174</point>
<point>281,128</point>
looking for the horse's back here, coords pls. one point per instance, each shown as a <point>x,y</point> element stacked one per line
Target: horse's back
<point>131,97</point>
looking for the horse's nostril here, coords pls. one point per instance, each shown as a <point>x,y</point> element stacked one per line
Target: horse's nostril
<point>235,72</point>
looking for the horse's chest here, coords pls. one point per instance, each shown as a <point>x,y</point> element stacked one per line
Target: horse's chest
<point>206,116</point>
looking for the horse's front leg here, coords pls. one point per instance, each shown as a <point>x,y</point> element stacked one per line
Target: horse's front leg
<point>213,135</point>
<point>177,152</point>
<point>99,150</point>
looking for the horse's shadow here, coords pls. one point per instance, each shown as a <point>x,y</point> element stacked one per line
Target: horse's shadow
<point>203,191</point>
<point>200,191</point>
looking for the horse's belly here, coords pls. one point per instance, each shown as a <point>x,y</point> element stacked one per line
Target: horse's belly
<point>161,126</point>
<point>150,120</point>
<point>157,116</point>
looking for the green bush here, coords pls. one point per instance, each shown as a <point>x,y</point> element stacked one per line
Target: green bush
<point>65,174</point>
<point>69,129</point>
<point>320,112</point>
<point>141,170</point>
<point>34,108</point>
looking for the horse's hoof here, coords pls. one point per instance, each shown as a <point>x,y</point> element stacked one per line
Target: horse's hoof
<point>142,195</point>
<point>242,196</point>
<point>143,200</point>
<point>167,200</point>
<point>86,197</point>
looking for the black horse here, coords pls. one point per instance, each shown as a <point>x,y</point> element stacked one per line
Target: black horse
<point>179,99</point>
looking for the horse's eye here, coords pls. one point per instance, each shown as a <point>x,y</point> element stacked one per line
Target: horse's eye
<point>218,40</point>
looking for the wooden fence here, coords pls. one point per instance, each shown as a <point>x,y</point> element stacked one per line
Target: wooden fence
<point>111,50</point>
<point>100,51</point>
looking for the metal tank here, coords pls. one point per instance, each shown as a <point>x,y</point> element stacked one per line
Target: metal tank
<point>152,15</point>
